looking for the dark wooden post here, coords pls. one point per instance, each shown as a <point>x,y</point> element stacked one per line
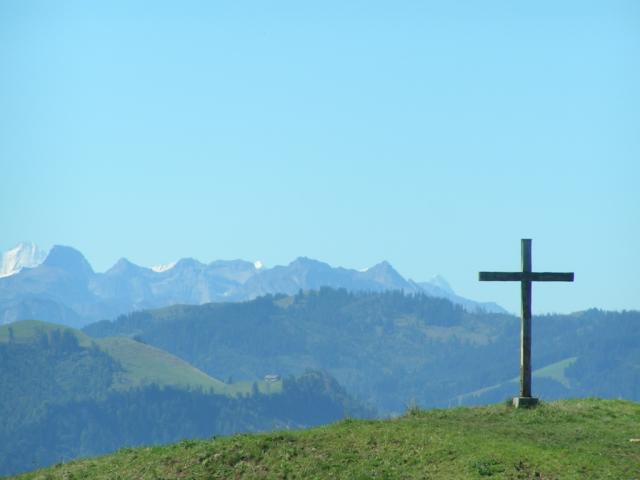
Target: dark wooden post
<point>525,277</point>
<point>525,322</point>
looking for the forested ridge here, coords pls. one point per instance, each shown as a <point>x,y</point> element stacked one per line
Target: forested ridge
<point>61,400</point>
<point>391,349</point>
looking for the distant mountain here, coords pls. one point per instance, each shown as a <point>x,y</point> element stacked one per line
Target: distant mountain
<point>64,288</point>
<point>439,287</point>
<point>23,255</point>
<point>59,289</point>
<point>307,274</point>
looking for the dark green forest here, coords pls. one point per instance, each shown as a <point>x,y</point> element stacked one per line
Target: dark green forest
<point>58,403</point>
<point>391,349</point>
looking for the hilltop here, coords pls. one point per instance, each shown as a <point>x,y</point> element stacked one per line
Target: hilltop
<point>574,439</point>
<point>139,364</point>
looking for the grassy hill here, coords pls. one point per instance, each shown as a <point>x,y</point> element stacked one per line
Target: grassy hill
<point>141,364</point>
<point>26,330</point>
<point>64,396</point>
<point>573,439</point>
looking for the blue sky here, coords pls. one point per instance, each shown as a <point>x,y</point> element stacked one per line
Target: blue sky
<point>434,135</point>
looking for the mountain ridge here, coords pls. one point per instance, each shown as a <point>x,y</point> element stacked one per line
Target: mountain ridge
<point>65,282</point>
<point>387,347</point>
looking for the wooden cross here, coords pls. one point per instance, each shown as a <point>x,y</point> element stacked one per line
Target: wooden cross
<point>525,277</point>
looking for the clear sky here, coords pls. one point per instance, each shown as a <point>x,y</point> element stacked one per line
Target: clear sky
<point>433,135</point>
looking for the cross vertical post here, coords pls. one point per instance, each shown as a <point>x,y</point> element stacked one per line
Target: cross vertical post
<point>526,276</point>
<point>525,322</point>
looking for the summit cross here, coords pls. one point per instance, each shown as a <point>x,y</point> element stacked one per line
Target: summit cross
<point>525,277</point>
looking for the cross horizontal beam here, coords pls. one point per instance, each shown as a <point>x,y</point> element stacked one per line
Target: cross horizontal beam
<point>525,276</point>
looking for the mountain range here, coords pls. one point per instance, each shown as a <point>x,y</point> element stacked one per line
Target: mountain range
<point>63,287</point>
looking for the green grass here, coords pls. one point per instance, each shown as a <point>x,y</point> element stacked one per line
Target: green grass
<point>554,371</point>
<point>143,364</point>
<point>26,331</point>
<point>577,439</point>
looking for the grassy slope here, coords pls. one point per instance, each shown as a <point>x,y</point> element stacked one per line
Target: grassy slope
<point>26,330</point>
<point>554,371</point>
<point>143,364</point>
<point>574,439</point>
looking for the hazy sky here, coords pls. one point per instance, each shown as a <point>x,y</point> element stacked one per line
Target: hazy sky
<point>434,135</point>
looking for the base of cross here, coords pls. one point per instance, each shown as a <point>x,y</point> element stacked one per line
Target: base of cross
<point>525,402</point>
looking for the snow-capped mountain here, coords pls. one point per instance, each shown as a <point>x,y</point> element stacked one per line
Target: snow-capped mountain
<point>25,254</point>
<point>163,267</point>
<point>65,289</point>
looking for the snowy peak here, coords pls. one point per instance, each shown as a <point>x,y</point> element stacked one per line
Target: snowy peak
<point>164,267</point>
<point>181,265</point>
<point>25,254</point>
